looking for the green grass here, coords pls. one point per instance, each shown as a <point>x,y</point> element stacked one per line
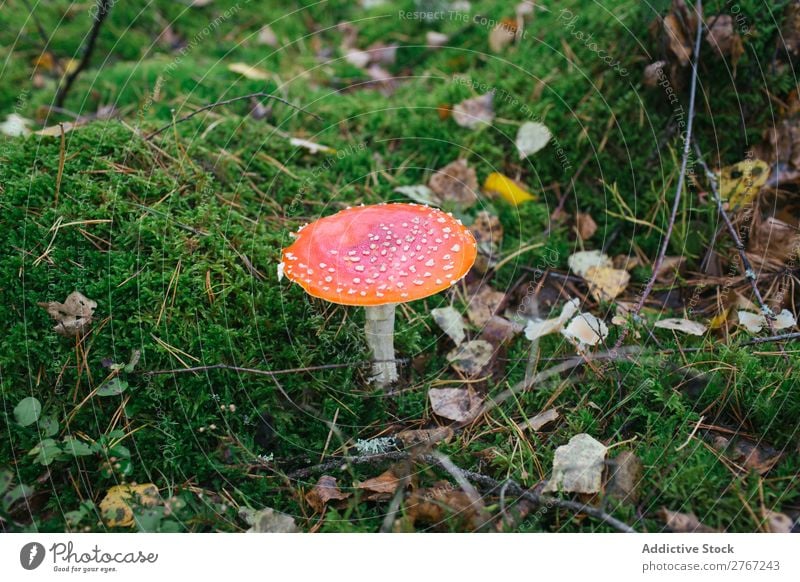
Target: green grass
<point>167,261</point>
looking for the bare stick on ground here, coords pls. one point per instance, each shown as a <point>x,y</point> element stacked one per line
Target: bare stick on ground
<point>687,140</point>
<point>99,16</point>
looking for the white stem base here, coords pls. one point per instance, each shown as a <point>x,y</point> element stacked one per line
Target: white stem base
<point>380,339</point>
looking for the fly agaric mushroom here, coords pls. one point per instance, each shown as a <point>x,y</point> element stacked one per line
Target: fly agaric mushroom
<point>378,256</point>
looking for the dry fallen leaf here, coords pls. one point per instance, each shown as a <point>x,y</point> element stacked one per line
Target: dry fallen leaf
<point>739,183</point>
<point>436,39</point>
<point>472,357</point>
<point>755,322</point>
<point>475,112</point>
<point>456,183</point>
<point>443,504</point>
<point>585,225</point>
<point>420,194</point>
<point>578,466</point>
<point>248,72</point>
<point>506,188</point>
<point>585,330</point>
<point>532,136</point>
<point>457,404</point>
<point>683,522</point>
<point>268,520</point>
<point>451,322</point>
<point>625,477</point>
<point>266,36</point>
<point>380,488</point>
<point>776,522</point>
<point>758,457</point>
<point>115,508</point>
<point>324,491</point>
<point>486,228</point>
<point>582,261</point>
<point>606,283</point>
<point>682,325</point>
<point>536,423</point>
<point>501,36</point>
<point>540,328</point>
<point>72,317</point>
<point>424,437</point>
<point>483,304</point>
<point>724,39</point>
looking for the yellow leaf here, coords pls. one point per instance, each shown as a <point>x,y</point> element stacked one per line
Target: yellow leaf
<point>507,188</point>
<point>719,320</point>
<point>739,183</point>
<point>606,283</point>
<point>247,71</point>
<point>115,508</point>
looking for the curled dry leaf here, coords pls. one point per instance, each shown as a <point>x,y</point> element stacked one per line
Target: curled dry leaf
<point>507,189</point>
<point>475,112</point>
<point>683,522</point>
<point>540,328</point>
<point>740,182</point>
<point>472,357</point>
<point>15,125</point>
<point>115,508</point>
<point>72,317</point>
<point>483,304</point>
<point>585,330</point>
<point>324,491</point>
<point>538,422</point>
<point>682,325</point>
<point>654,73</point>
<point>755,322</point>
<point>532,136</point>
<point>578,466</point>
<point>380,488</point>
<point>456,183</point>
<point>451,323</point>
<point>457,404</point>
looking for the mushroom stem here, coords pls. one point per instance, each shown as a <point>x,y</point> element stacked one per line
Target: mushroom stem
<point>380,339</point>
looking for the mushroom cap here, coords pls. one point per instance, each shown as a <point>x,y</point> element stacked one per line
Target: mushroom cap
<point>379,254</point>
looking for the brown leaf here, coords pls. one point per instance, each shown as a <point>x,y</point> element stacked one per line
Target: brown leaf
<point>456,183</point>
<point>585,225</point>
<point>475,112</point>
<point>502,35</point>
<point>324,491</point>
<point>626,475</point>
<point>653,73</point>
<point>380,488</point>
<point>72,317</point>
<point>457,404</point>
<point>483,304</point>
<point>425,436</point>
<point>442,505</point>
<point>499,330</point>
<point>683,522</point>
<point>756,457</point>
<point>486,228</point>
<point>472,357</point>
<point>724,39</point>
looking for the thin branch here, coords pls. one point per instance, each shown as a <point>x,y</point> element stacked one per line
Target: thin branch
<point>259,372</point>
<point>103,8</point>
<point>773,338</point>
<point>482,481</point>
<point>749,273</point>
<point>260,94</point>
<point>681,177</point>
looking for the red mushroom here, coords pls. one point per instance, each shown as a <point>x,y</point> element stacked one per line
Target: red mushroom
<point>378,256</point>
